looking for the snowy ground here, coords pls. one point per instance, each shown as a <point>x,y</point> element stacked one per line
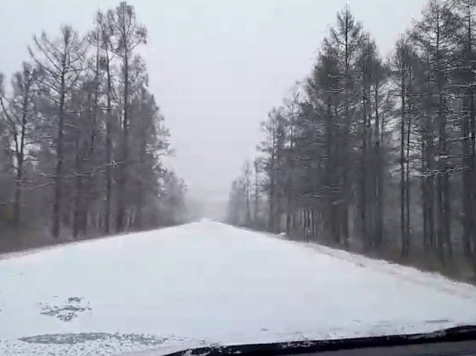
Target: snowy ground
<point>208,283</point>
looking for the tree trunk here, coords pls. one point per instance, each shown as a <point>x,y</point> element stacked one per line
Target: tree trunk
<point>363,178</point>
<point>271,212</point>
<point>56,226</point>
<point>78,188</point>
<point>403,236</point>
<point>140,186</point>
<point>346,189</point>
<point>20,161</point>
<point>123,168</point>
<point>378,235</point>
<point>472,192</point>
<point>108,202</point>
<point>467,184</point>
<point>256,195</point>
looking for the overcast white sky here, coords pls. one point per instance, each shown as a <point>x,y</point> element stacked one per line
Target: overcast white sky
<point>216,66</point>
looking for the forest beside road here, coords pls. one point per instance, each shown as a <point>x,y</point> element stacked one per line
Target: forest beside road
<point>376,154</point>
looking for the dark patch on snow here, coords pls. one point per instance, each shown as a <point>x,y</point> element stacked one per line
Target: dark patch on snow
<point>75,300</point>
<point>71,339</point>
<point>67,312</point>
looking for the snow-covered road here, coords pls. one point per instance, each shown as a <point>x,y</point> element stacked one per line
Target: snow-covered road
<point>207,283</point>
